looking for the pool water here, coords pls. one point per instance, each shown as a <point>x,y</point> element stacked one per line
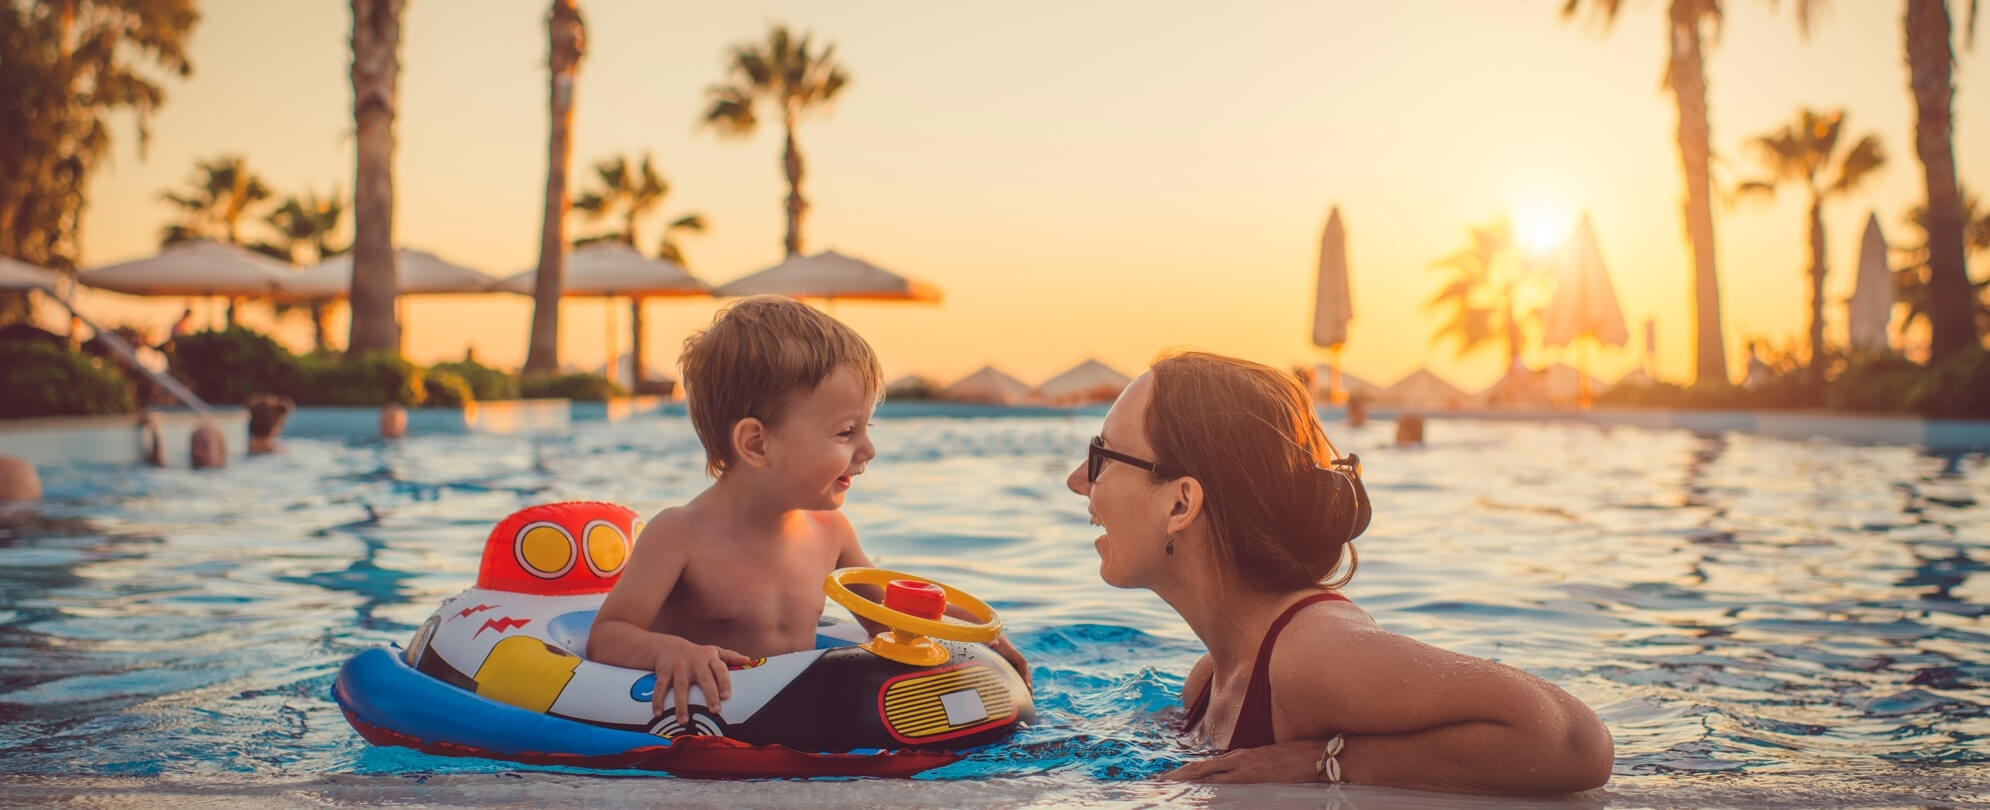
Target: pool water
<point>1758,621</point>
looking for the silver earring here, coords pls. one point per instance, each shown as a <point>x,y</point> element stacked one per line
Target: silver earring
<point>1170,537</point>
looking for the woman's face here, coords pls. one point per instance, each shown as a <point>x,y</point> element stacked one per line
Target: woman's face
<point>1125,501</point>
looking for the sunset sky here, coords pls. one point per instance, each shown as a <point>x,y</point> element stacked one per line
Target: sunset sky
<point>1105,179</point>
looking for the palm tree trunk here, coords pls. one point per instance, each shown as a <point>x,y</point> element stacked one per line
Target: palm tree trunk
<point>1930,64</point>
<point>635,345</point>
<point>376,70</point>
<point>320,325</point>
<point>1817,270</point>
<point>1687,79</point>
<point>792,163</point>
<point>564,31</point>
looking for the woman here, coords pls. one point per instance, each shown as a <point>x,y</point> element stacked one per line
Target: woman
<point>1218,490</point>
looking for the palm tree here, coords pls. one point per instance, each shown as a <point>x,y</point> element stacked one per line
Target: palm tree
<point>305,228</point>
<point>1911,280</point>
<point>1803,153</point>
<point>1484,294</point>
<point>1690,24</point>
<point>565,33</point>
<point>632,195</point>
<point>214,205</point>
<point>788,74</point>
<point>1931,79</point>
<point>215,202</point>
<point>65,69</point>
<point>376,74</point>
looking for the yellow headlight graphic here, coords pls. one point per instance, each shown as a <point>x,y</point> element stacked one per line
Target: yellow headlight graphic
<point>936,706</point>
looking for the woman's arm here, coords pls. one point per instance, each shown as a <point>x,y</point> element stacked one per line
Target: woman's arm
<point>1413,715</point>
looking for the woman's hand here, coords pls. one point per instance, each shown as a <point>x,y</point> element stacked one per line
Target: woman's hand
<point>1281,762</point>
<point>681,664</point>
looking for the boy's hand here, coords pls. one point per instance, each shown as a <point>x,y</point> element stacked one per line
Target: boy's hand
<point>681,664</point>
<point>1009,653</point>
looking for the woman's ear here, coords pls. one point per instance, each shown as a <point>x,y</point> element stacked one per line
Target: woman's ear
<point>749,442</point>
<point>1187,507</point>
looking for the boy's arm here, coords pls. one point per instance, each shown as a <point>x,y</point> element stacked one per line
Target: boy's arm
<point>621,635</point>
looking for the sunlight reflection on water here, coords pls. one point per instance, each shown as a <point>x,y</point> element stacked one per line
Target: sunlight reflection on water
<point>1743,612</point>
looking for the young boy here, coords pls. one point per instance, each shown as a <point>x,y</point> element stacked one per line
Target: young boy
<point>781,396</point>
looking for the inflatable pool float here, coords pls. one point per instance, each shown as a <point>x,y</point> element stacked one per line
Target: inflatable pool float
<point>499,671</point>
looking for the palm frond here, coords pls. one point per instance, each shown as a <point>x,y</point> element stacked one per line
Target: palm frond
<point>1862,162</point>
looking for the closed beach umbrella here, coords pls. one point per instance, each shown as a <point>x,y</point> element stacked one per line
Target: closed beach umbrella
<point>833,276</point>
<point>1870,309</point>
<point>418,272</point>
<point>1333,305</point>
<point>17,275</point>
<point>616,270</point>
<point>1085,383</point>
<point>199,267</point>
<point>1584,303</point>
<point>990,386</point>
<point>1332,301</point>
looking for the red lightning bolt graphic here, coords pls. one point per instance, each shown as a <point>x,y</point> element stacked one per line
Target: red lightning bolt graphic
<point>501,625</point>
<point>479,608</point>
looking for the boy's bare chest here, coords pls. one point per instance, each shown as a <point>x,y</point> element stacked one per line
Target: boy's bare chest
<point>764,598</point>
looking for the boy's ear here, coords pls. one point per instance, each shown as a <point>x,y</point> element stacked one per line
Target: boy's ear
<point>749,442</point>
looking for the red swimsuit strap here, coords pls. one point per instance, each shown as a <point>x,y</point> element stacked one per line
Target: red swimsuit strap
<point>1254,718</point>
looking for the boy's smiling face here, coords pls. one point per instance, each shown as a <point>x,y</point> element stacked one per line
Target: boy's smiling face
<point>824,440</point>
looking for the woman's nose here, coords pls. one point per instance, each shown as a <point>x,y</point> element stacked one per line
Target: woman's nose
<point>1076,481</point>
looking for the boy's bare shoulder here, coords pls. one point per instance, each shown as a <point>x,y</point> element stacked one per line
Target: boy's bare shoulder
<point>673,528</point>
<point>832,524</point>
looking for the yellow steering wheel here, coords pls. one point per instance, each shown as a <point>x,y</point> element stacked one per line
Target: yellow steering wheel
<point>907,643</point>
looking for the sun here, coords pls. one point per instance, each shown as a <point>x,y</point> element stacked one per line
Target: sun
<point>1542,228</point>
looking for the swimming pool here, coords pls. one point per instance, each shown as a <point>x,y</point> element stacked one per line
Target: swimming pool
<point>1759,621</point>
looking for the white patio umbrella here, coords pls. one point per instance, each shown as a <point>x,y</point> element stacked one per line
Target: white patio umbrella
<point>1870,309</point>
<point>613,270</point>
<point>417,272</point>
<point>1584,304</point>
<point>17,275</point>
<point>988,385</point>
<point>1333,304</point>
<point>200,267</point>
<point>1085,383</point>
<point>833,276</point>
<point>1422,388</point>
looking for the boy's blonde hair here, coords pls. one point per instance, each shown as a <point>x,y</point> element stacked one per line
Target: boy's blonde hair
<point>757,357</point>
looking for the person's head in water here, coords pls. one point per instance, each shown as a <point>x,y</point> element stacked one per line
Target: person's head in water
<point>1211,460</point>
<point>267,413</point>
<point>210,448</point>
<point>393,421</point>
<point>18,480</point>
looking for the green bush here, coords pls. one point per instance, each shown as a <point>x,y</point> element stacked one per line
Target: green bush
<point>915,387</point>
<point>486,383</point>
<point>225,367</point>
<point>372,379</point>
<point>1879,383</point>
<point>445,390</point>
<point>45,380</point>
<point>1959,388</point>
<point>578,387</point>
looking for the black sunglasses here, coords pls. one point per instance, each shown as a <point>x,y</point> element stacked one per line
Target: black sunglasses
<point>1097,456</point>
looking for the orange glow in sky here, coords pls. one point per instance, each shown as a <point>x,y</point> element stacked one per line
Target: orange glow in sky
<point>1105,179</point>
